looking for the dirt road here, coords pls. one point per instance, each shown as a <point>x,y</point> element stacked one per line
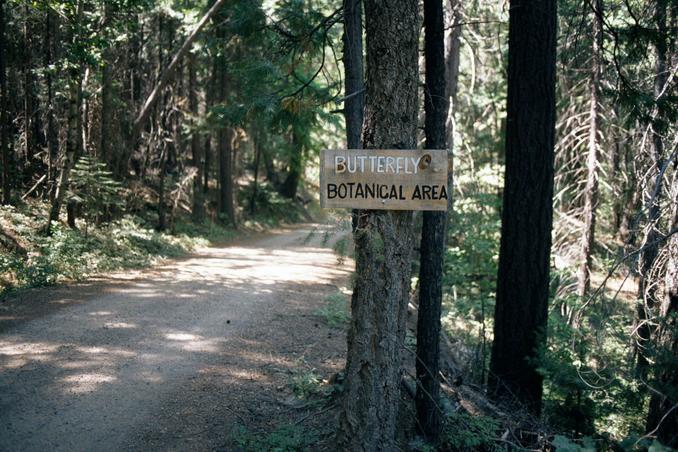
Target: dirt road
<point>172,358</point>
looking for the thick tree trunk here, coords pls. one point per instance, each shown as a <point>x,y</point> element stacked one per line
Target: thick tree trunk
<point>647,296</point>
<point>591,189</point>
<point>384,239</point>
<point>4,117</point>
<point>527,214</point>
<point>429,414</point>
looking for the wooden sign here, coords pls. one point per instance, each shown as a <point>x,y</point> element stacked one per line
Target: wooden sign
<point>384,179</point>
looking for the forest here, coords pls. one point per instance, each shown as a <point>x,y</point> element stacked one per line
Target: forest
<point>539,312</point>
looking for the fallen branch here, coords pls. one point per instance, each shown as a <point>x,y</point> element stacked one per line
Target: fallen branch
<point>37,184</point>
<point>169,71</point>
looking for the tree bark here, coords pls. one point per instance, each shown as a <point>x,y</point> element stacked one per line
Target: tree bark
<point>291,183</point>
<point>225,151</point>
<point>452,58</point>
<point>662,416</point>
<point>52,137</point>
<point>591,189</point>
<point>429,414</point>
<point>256,144</point>
<point>354,84</point>
<point>198,212</point>
<point>105,134</point>
<point>646,295</point>
<point>4,117</point>
<point>269,166</point>
<point>75,91</point>
<point>33,139</point>
<point>74,137</point>
<point>226,207</point>
<point>209,97</point>
<point>353,70</point>
<point>527,213</point>
<point>383,239</point>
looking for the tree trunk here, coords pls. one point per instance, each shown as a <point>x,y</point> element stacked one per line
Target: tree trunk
<point>4,117</point>
<point>591,189</point>
<point>291,183</point>
<point>198,212</point>
<point>52,135</point>
<point>208,160</point>
<point>225,149</point>
<point>256,144</point>
<point>353,77</point>
<point>162,208</point>
<point>383,239</point>
<point>432,234</point>
<point>630,202</point>
<point>167,73</point>
<point>74,137</point>
<point>105,134</point>
<point>353,69</point>
<point>646,295</point>
<point>211,91</point>
<point>452,58</point>
<point>269,166</point>
<point>662,418</point>
<point>527,213</point>
<point>33,139</point>
<point>75,92</point>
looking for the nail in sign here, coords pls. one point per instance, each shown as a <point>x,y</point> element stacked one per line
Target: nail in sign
<point>384,179</point>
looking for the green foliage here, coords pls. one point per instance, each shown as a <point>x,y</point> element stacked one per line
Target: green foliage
<point>270,208</point>
<point>94,189</point>
<point>285,438</point>
<point>563,444</point>
<point>68,255</point>
<point>464,432</point>
<point>471,266</point>
<point>340,248</point>
<point>307,383</point>
<point>205,233</point>
<point>335,311</point>
<point>590,387</point>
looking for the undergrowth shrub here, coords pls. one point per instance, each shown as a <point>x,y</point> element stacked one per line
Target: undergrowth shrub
<point>285,438</point>
<point>335,312</point>
<point>465,432</point>
<point>270,208</point>
<point>70,255</point>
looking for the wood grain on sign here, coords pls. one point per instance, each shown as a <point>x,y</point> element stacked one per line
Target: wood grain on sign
<point>384,179</point>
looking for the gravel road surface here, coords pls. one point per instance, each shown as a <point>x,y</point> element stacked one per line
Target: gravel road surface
<point>166,358</point>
